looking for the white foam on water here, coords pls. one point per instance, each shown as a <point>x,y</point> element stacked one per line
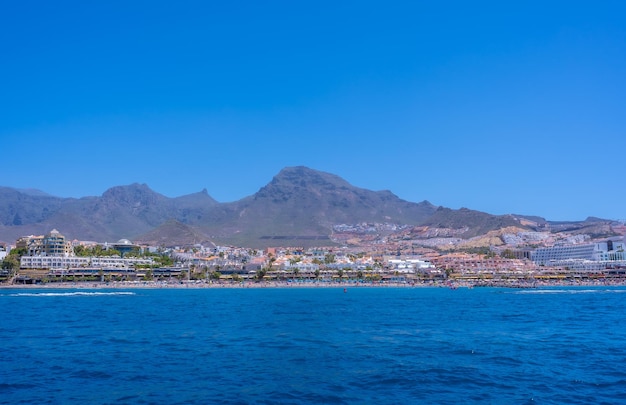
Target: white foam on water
<point>71,294</point>
<point>567,291</point>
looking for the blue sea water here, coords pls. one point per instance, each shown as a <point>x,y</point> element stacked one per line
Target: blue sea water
<point>317,345</point>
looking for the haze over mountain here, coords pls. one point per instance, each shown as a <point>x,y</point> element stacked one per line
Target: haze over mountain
<point>299,206</point>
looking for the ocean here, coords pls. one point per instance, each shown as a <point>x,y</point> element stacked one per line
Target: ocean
<point>313,345</point>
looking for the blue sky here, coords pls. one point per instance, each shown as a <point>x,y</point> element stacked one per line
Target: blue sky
<point>497,106</point>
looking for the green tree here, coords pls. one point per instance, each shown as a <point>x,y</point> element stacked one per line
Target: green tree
<point>113,252</point>
<point>216,269</point>
<point>19,252</point>
<point>163,260</point>
<point>148,275</point>
<point>79,250</point>
<point>508,254</point>
<point>11,263</point>
<point>260,274</point>
<point>135,252</point>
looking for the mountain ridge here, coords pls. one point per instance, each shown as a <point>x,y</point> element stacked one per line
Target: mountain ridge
<point>297,206</point>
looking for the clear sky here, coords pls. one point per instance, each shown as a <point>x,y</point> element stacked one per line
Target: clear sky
<point>503,107</point>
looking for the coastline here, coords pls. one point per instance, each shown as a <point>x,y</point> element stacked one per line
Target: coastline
<point>87,285</point>
<point>192,285</point>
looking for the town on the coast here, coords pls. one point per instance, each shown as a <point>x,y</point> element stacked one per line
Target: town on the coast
<point>518,259</point>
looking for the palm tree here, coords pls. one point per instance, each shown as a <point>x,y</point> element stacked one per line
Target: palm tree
<point>192,268</point>
<point>216,270</point>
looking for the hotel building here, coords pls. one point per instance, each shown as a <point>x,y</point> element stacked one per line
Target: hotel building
<point>589,256</point>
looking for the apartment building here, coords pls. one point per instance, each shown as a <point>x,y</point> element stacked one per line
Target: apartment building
<point>65,262</point>
<point>52,244</point>
<point>609,250</point>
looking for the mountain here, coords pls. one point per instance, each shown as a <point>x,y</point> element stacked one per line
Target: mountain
<point>298,207</point>
<point>592,226</point>
<point>19,207</point>
<point>301,205</point>
<point>33,192</point>
<point>473,223</point>
<point>172,230</point>
<point>121,212</point>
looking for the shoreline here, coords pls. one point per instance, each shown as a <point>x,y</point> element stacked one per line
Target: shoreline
<point>114,285</point>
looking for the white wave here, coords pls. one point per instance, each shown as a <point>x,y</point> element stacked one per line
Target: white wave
<point>572,291</point>
<point>70,294</point>
<point>540,292</point>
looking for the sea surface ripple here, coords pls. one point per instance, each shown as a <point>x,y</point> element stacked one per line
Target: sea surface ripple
<point>317,345</point>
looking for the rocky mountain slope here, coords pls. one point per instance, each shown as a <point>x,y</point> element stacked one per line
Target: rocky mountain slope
<point>299,206</point>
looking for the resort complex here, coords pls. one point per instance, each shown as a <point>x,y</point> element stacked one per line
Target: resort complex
<point>51,258</point>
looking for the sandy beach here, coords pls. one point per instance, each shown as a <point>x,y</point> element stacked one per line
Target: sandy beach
<point>296,284</point>
<point>189,285</point>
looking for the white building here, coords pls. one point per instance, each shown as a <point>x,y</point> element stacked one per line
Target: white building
<point>410,265</point>
<point>588,252</point>
<point>74,262</point>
